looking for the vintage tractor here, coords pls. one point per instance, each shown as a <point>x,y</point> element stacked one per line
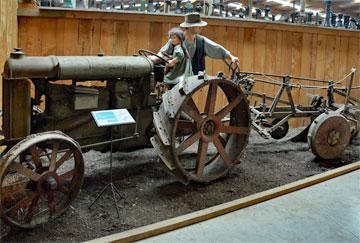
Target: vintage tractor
<point>47,125</point>
<point>199,129</point>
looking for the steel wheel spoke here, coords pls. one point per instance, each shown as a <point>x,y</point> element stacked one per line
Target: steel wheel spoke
<point>188,142</point>
<point>234,130</point>
<point>222,140</point>
<point>42,213</point>
<point>24,171</point>
<point>201,158</point>
<point>35,156</point>
<point>51,203</point>
<point>63,189</point>
<point>64,158</point>
<point>66,175</point>
<point>32,209</point>
<point>23,202</point>
<point>221,114</point>
<point>46,153</point>
<point>222,151</point>
<point>13,188</point>
<point>192,104</point>
<point>194,114</point>
<point>54,152</point>
<point>211,98</point>
<point>185,124</point>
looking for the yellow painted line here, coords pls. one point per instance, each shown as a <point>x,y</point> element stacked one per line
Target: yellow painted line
<point>215,211</point>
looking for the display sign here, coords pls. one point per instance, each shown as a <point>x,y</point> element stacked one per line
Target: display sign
<point>106,118</point>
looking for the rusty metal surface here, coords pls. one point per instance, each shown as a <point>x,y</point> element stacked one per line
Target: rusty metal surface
<point>20,66</point>
<point>30,67</point>
<point>103,67</point>
<point>190,83</point>
<point>166,158</point>
<point>329,135</point>
<point>352,115</point>
<point>287,84</point>
<point>162,125</point>
<point>35,188</point>
<point>172,102</point>
<point>16,107</point>
<point>66,107</point>
<point>86,98</point>
<point>301,137</point>
<point>191,127</point>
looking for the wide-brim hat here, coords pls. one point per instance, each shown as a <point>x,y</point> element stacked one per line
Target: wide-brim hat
<point>193,20</point>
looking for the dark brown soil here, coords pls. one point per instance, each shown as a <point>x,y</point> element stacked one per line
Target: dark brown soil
<point>150,195</point>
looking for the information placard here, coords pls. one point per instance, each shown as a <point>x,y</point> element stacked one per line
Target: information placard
<point>115,117</point>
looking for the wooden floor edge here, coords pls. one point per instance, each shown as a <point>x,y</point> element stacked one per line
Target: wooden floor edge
<point>208,213</point>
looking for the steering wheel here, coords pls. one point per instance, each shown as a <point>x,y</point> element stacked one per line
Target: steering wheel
<point>147,53</point>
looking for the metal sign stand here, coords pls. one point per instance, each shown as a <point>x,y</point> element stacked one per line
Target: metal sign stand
<point>110,185</point>
<point>111,118</point>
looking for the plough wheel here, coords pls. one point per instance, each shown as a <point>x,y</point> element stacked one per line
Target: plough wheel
<point>40,177</point>
<point>203,143</point>
<point>281,131</point>
<point>329,135</point>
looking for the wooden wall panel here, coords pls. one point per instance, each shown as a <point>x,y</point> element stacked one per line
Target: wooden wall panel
<point>270,59</point>
<point>33,37</point>
<point>96,37</point>
<point>259,55</point>
<point>156,36</point>
<point>265,47</point>
<point>22,32</point>
<point>296,61</point>
<point>279,48</point>
<point>240,44</point>
<point>71,37</point>
<point>218,36</point>
<point>330,47</point>
<point>60,31</point>
<point>8,33</point>
<point>48,45</point>
<point>354,57</point>
<point>107,39</point>
<point>85,36</point>
<point>313,59</point>
<point>286,55</point>
<point>121,40</point>
<point>8,29</point>
<point>248,50</point>
<point>306,50</point>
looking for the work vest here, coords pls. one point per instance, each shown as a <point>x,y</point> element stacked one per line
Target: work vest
<point>198,61</point>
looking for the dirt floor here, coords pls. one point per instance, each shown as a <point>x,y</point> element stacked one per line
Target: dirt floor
<point>150,195</point>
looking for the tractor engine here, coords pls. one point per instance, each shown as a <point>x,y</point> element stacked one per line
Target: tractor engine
<point>58,93</point>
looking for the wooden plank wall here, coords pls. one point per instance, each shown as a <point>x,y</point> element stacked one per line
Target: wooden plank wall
<point>8,32</point>
<point>264,47</point>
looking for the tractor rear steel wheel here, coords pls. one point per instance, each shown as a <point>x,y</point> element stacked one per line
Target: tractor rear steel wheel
<point>202,143</point>
<point>40,177</point>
